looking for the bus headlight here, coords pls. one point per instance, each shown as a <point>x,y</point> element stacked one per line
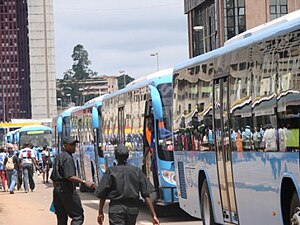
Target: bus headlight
<point>169,176</point>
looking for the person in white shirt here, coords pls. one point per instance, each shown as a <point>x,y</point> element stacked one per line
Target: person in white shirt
<point>27,160</point>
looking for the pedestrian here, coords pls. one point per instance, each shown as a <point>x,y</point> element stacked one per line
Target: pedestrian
<point>11,167</point>
<point>122,184</point>
<point>66,200</point>
<point>27,161</point>
<point>46,163</point>
<point>2,169</point>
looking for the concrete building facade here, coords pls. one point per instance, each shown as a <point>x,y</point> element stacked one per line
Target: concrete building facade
<point>78,92</point>
<point>42,59</point>
<point>220,20</point>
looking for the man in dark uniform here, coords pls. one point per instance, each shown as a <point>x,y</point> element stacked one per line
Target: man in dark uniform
<point>122,184</point>
<point>65,198</point>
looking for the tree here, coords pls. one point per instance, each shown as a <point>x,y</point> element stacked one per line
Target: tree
<point>122,78</point>
<point>81,64</point>
<point>80,71</point>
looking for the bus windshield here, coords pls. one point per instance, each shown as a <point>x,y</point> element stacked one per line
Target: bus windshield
<point>36,138</point>
<point>165,145</point>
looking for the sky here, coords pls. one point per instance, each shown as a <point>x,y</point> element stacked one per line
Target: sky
<point>120,35</point>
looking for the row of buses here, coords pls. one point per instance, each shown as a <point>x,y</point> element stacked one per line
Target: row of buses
<point>121,118</point>
<point>226,129</point>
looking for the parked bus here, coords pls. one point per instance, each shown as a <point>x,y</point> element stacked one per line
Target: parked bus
<point>37,136</point>
<point>120,118</point>
<point>61,125</point>
<point>125,115</point>
<point>11,139</point>
<point>236,128</point>
<point>84,127</point>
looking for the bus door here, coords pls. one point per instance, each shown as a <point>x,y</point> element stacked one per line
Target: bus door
<point>223,151</point>
<point>147,140</point>
<point>121,125</point>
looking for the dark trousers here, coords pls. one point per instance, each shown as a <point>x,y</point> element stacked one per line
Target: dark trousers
<point>20,179</point>
<point>122,215</point>
<point>67,204</point>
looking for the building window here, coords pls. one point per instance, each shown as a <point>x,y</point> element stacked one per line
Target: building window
<point>235,19</point>
<point>278,8</point>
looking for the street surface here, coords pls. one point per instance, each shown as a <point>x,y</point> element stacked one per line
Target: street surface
<point>33,208</point>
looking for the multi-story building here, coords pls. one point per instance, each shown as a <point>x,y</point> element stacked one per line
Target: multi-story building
<point>42,59</point>
<point>14,61</point>
<point>27,85</point>
<point>78,92</point>
<point>212,22</point>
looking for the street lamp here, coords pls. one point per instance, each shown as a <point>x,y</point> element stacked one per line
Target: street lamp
<point>83,96</point>
<point>61,106</point>
<point>197,29</point>
<point>157,62</point>
<point>69,95</point>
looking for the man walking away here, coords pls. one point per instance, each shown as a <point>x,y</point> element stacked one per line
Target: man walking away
<point>66,201</point>
<point>122,184</point>
<point>27,160</point>
<point>11,166</point>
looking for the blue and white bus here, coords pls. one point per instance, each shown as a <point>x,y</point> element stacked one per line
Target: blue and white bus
<point>236,128</point>
<point>120,118</point>
<point>11,139</point>
<point>61,125</point>
<point>124,117</point>
<point>84,127</point>
<point>36,135</point>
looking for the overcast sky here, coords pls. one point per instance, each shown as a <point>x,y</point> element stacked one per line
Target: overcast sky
<point>121,34</point>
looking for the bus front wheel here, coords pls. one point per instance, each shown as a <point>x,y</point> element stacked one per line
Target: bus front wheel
<point>206,207</point>
<point>295,210</point>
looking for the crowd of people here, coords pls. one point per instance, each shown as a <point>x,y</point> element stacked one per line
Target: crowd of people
<point>122,184</point>
<point>18,167</point>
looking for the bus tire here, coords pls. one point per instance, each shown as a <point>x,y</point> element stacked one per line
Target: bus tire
<point>295,203</point>
<point>206,206</point>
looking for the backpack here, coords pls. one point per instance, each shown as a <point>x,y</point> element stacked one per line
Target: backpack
<point>10,163</point>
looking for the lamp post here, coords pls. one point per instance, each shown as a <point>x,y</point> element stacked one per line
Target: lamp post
<point>157,62</point>
<point>197,29</point>
<point>83,96</point>
<point>61,106</point>
<point>69,95</point>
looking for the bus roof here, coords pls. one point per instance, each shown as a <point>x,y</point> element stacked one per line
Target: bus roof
<point>162,76</point>
<point>95,101</point>
<point>67,112</point>
<point>292,24</point>
<point>33,127</point>
<point>260,28</point>
<point>157,74</point>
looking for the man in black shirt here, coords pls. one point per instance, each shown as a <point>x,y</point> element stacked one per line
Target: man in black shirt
<point>65,198</point>
<point>122,184</point>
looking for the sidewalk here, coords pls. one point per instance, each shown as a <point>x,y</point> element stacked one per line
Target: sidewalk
<point>27,208</point>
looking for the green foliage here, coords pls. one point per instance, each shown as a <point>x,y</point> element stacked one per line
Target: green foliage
<point>123,78</point>
<point>68,86</point>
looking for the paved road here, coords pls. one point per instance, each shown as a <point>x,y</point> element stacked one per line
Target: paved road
<point>33,208</point>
